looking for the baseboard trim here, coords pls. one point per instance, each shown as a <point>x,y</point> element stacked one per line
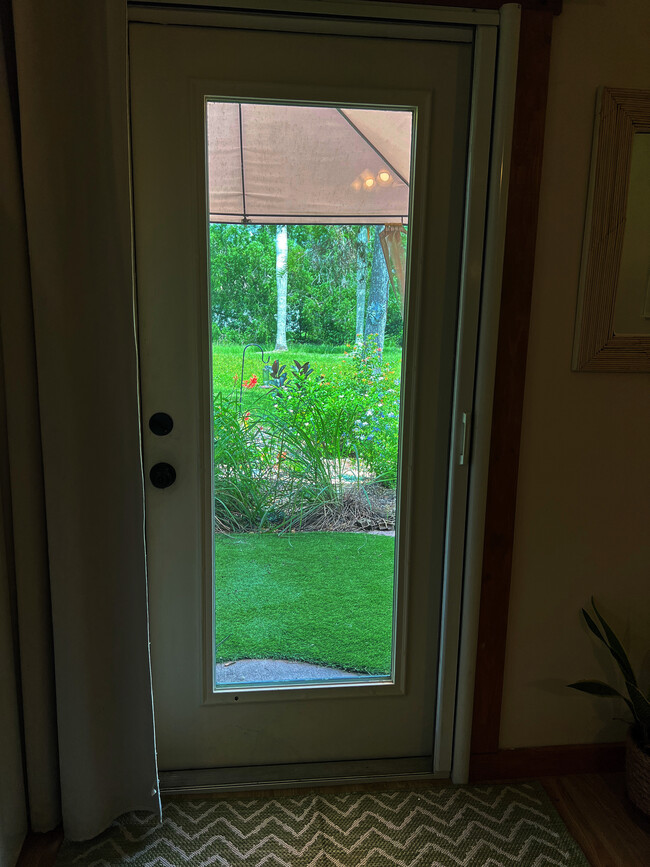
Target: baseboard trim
<point>547,761</point>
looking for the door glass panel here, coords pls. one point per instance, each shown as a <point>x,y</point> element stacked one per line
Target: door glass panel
<point>307,210</point>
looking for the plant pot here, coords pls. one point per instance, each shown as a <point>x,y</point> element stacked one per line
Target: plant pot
<point>637,773</point>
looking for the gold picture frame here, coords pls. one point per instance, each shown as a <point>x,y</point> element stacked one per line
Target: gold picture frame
<point>621,115</point>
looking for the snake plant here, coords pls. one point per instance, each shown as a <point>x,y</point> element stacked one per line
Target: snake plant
<point>637,702</point>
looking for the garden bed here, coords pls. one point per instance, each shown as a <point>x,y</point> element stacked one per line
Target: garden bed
<point>315,451</point>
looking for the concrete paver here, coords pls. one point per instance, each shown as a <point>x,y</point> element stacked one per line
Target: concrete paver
<point>277,670</point>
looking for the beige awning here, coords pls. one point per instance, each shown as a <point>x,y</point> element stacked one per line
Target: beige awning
<point>307,164</point>
<point>391,239</point>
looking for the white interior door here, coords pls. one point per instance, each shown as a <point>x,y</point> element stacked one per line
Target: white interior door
<point>355,726</point>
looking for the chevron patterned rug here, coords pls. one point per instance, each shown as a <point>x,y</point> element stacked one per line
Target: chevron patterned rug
<point>473,826</point>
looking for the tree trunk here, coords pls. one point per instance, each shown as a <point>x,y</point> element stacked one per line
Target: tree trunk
<point>377,296</point>
<point>362,254</point>
<point>281,255</point>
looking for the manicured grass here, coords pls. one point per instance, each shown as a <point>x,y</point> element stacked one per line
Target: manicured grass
<point>324,598</point>
<point>326,360</point>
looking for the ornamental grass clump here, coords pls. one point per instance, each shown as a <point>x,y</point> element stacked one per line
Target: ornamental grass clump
<point>278,465</point>
<point>636,701</point>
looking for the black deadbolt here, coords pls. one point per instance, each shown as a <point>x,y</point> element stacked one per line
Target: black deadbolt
<point>162,475</point>
<point>160,424</point>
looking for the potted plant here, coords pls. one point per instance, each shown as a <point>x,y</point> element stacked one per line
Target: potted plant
<point>637,750</point>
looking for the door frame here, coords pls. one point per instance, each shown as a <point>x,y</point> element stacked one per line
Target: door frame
<point>494,78</point>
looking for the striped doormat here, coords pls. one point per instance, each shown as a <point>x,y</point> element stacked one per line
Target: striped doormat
<point>446,826</point>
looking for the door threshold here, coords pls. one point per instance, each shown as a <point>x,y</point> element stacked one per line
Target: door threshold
<point>298,776</point>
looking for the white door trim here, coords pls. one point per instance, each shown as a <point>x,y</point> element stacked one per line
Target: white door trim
<point>464,377</point>
<point>504,108</point>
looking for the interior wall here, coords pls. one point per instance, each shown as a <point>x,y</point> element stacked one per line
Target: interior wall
<point>583,503</point>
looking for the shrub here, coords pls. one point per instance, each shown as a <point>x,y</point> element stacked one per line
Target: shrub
<point>376,385</point>
<point>270,468</point>
<point>286,452</point>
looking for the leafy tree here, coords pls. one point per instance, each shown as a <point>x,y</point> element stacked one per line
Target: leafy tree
<point>322,285</point>
<point>242,282</point>
<point>324,272</point>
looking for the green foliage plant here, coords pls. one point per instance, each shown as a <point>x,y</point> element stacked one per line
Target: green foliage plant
<point>290,452</point>
<point>636,701</point>
<point>277,464</point>
<point>367,374</point>
<point>278,377</point>
<point>317,428</point>
<point>242,488</point>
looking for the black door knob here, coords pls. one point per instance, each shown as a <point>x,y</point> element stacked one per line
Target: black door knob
<point>162,475</point>
<point>161,424</point>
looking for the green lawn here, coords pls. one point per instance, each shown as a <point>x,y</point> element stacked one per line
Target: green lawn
<point>324,598</point>
<point>226,361</point>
